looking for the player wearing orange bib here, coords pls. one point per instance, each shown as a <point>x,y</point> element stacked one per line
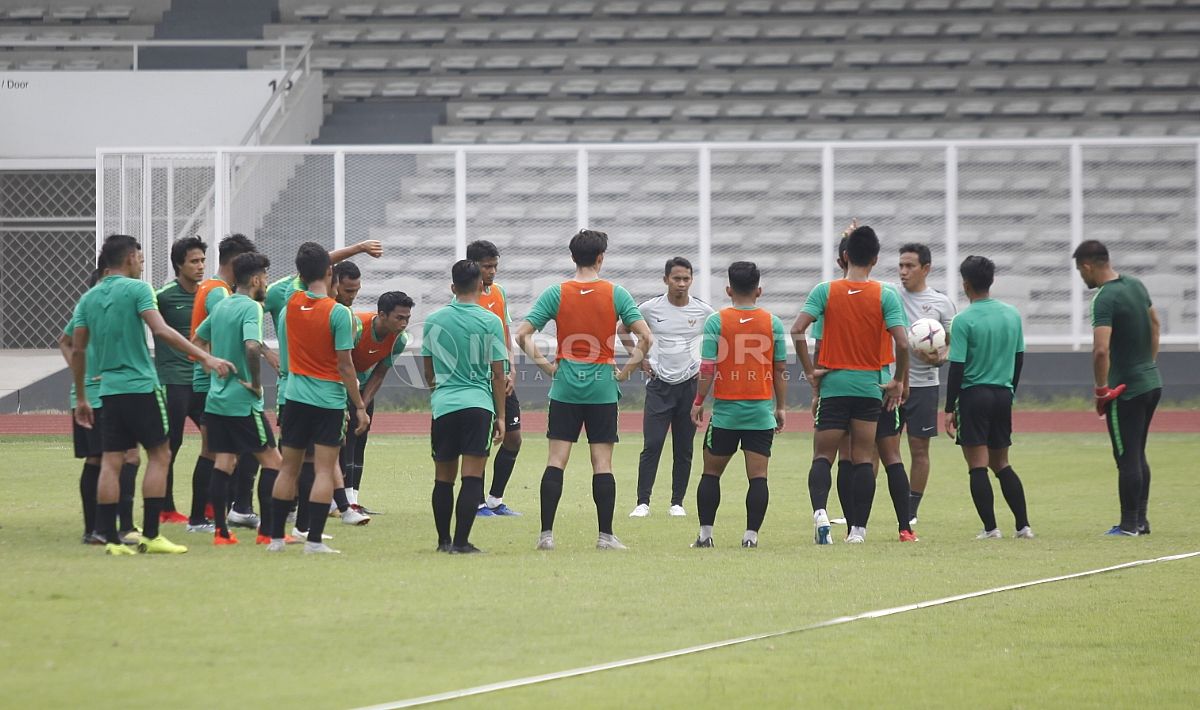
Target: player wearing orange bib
<point>585,389</point>
<point>742,361</point>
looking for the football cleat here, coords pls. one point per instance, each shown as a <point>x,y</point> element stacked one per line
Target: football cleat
<point>821,528</point>
<point>219,539</point>
<point>1116,531</point>
<point>444,546</point>
<point>160,546</point>
<point>989,535</point>
<point>908,536</point>
<point>609,542</point>
<point>118,550</point>
<point>750,544</point>
<point>205,527</point>
<point>1025,533</point>
<point>484,512</point>
<point>172,517</point>
<point>467,549</point>
<point>353,517</point>
<point>243,520</point>
<point>545,540</point>
<point>319,548</point>
<point>1144,527</point>
<point>855,539</point>
<point>93,538</point>
<point>276,546</point>
<point>640,511</point>
<point>302,535</point>
<point>706,542</point>
<point>677,511</point>
<point>503,509</point>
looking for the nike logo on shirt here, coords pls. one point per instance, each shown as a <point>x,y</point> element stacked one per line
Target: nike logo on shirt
<point>307,308</point>
<point>852,291</point>
<point>178,308</point>
<point>745,320</point>
<point>372,352</point>
<point>584,293</point>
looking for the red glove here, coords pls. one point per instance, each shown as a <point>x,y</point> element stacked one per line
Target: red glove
<point>1105,395</point>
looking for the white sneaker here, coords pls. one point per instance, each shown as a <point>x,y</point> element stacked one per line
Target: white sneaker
<point>641,511</point>
<point>855,539</point>
<point>1025,533</point>
<point>243,520</point>
<point>609,542</point>
<point>354,517</point>
<point>546,541</point>
<point>821,528</point>
<point>838,521</point>
<point>301,535</point>
<point>677,511</point>
<point>203,528</point>
<point>319,548</point>
<point>276,546</point>
<point>991,534</point>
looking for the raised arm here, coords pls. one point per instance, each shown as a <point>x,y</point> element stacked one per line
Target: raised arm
<point>371,247</point>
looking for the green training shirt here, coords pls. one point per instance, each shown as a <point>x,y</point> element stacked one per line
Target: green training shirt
<point>275,304</point>
<point>464,339</point>
<point>234,322</point>
<point>1124,305</point>
<point>175,304</point>
<point>582,382</point>
<point>112,313</point>
<point>746,414</point>
<point>986,338</point>
<point>91,376</point>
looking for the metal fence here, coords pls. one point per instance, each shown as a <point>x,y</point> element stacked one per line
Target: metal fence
<point>1024,204</point>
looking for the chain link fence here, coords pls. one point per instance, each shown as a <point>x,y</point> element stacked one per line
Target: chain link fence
<point>1022,204</point>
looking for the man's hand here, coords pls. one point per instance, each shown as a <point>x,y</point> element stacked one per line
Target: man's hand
<point>272,359</point>
<point>1105,395</point>
<point>893,394</point>
<point>780,419</point>
<point>816,400</point>
<point>221,367</point>
<point>510,383</point>
<point>936,358</point>
<point>371,247</point>
<point>814,377</point>
<point>623,373</point>
<point>698,415</point>
<point>364,420</point>
<point>950,424</point>
<point>498,431</point>
<point>646,369</point>
<point>84,416</point>
<point>250,386</point>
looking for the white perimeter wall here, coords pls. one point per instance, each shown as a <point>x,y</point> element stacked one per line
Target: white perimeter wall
<point>68,114</point>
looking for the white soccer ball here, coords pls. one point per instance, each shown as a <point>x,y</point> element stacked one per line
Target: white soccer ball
<point>928,336</point>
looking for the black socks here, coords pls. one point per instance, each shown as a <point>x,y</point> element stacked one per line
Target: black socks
<point>266,484</point>
<point>845,487</point>
<point>201,480</point>
<point>708,498</point>
<point>339,497</point>
<point>243,484</point>
<point>551,492</point>
<point>279,516</point>
<point>914,502</point>
<point>151,509</point>
<point>981,494</point>
<point>469,491</point>
<point>216,494</point>
<point>864,494</point>
<point>106,522</point>
<point>443,509</point>
<point>604,493</point>
<point>502,470</point>
<point>128,482</point>
<point>1014,495</point>
<point>89,481</point>
<point>756,503</point>
<point>897,480</point>
<point>318,513</point>
<point>820,480</point>
<point>304,486</point>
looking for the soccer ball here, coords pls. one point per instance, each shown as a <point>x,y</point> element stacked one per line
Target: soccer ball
<point>928,336</point>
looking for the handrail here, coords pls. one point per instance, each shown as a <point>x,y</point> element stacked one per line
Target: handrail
<point>281,89</point>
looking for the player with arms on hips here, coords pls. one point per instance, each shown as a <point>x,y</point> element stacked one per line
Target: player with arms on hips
<point>987,349</point>
<point>463,355</point>
<point>114,313</point>
<point>920,410</point>
<point>676,319</point>
<point>585,386</point>
<point>234,408</point>
<point>493,298</point>
<point>743,362</point>
<point>320,336</point>
<point>849,384</point>
<point>1125,332</point>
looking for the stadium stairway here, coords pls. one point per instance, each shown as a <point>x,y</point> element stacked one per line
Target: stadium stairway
<point>209,19</point>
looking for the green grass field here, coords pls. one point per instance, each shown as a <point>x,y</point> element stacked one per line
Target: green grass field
<point>391,619</point>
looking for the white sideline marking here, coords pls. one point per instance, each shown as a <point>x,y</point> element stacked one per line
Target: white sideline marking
<point>879,613</point>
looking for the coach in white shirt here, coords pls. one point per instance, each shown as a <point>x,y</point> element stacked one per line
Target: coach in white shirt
<point>676,319</point>
<point>920,410</point>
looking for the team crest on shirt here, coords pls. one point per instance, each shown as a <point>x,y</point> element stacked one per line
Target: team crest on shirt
<point>691,322</point>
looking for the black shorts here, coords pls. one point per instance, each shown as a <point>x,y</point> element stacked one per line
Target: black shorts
<point>466,432</point>
<point>239,435</point>
<point>132,419</point>
<point>890,423</point>
<point>196,406</point>
<point>921,412</point>
<point>724,442</point>
<point>836,412</point>
<point>567,419</point>
<point>87,441</point>
<point>303,425</point>
<point>985,417</point>
<point>512,413</point>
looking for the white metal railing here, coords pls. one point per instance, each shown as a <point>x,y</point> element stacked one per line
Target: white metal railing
<point>1076,210</point>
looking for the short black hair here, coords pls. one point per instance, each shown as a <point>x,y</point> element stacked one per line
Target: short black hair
<point>246,266</point>
<point>842,247</point>
<point>862,246</point>
<point>391,300</point>
<point>116,250</point>
<point>94,277</point>
<point>1091,251</point>
<point>924,256</point>
<point>743,277</point>
<point>180,249</point>
<point>233,245</point>
<point>677,261</point>
<point>979,272</point>
<point>481,249</point>
<point>312,261</point>
<point>346,270</point>
<point>466,275</point>
<point>587,245</point>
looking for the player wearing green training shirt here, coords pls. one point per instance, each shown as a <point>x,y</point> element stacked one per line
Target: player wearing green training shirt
<point>234,408</point>
<point>175,301</point>
<point>115,313</point>
<point>584,390</point>
<point>987,349</point>
<point>1125,332</point>
<point>463,356</point>
<point>743,355</point>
